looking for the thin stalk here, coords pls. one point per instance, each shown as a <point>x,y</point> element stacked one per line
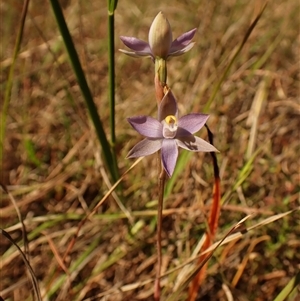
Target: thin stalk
<point>161,88</point>
<point>161,187</point>
<point>111,81</point>
<point>10,79</point>
<point>112,5</point>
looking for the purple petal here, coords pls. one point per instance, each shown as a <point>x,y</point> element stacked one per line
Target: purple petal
<point>144,148</point>
<point>147,126</point>
<point>195,144</point>
<point>168,106</point>
<point>182,41</point>
<point>190,124</point>
<point>136,44</point>
<point>169,154</point>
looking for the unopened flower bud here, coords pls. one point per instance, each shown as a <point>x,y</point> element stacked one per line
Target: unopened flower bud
<point>160,36</point>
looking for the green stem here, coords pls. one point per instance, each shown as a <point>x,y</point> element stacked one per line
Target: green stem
<point>161,70</point>
<point>112,5</point>
<point>111,81</point>
<point>111,73</point>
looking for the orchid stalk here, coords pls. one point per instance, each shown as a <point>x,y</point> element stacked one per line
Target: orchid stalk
<point>169,132</point>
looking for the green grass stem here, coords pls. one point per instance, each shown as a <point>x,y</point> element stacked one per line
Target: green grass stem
<point>112,5</point>
<point>111,79</point>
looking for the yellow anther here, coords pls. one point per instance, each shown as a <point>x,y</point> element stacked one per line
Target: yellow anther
<point>171,119</point>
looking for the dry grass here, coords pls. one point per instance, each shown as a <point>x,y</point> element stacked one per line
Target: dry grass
<point>52,164</point>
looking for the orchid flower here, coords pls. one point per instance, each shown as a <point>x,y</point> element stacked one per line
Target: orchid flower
<point>160,44</point>
<point>169,132</point>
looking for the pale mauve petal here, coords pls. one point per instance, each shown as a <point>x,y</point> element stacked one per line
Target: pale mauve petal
<point>144,148</point>
<point>169,154</point>
<point>182,41</point>
<point>136,44</point>
<point>191,123</point>
<point>168,106</point>
<point>147,126</point>
<point>195,144</point>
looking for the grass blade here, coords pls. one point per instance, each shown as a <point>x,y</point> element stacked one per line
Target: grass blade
<point>108,157</point>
